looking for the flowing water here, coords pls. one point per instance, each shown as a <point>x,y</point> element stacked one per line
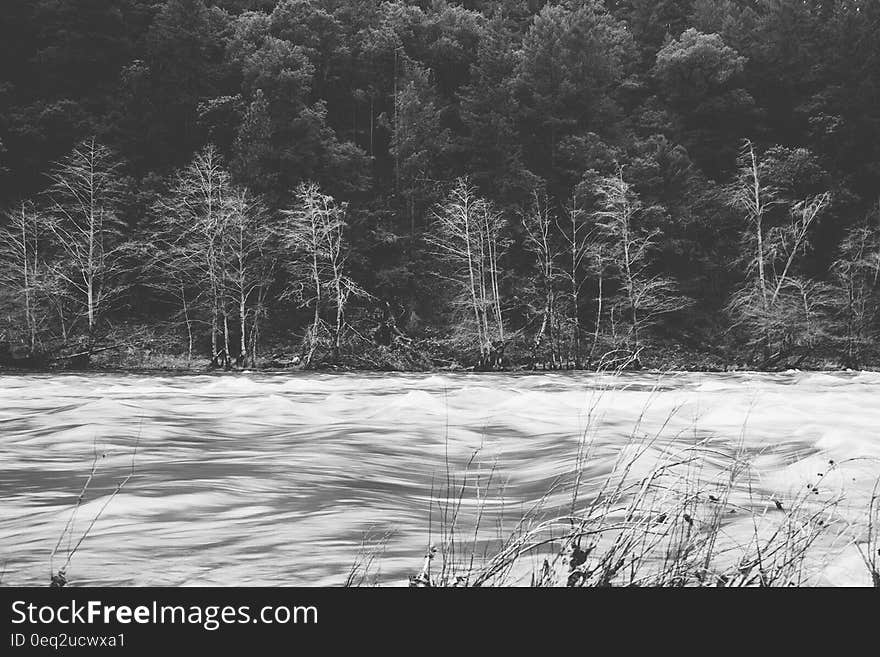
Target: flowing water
<point>280,478</point>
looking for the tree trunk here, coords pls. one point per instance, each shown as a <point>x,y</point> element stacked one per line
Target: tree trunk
<point>598,320</point>
<point>242,316</point>
<point>539,336</point>
<point>759,235</point>
<point>226,361</point>
<point>255,331</point>
<point>29,314</point>
<point>186,319</point>
<point>492,249</point>
<point>473,283</point>
<point>316,278</point>
<point>340,309</point>
<point>90,299</point>
<point>214,328</point>
<point>576,327</point>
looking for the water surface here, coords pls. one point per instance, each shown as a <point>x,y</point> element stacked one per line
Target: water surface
<point>278,479</point>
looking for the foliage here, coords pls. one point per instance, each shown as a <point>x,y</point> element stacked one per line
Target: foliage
<point>385,106</point>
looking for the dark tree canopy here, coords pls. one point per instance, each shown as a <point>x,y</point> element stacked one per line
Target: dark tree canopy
<point>387,105</point>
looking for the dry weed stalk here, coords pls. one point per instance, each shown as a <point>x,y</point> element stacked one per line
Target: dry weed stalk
<point>670,526</point>
<point>59,579</point>
<point>371,551</point>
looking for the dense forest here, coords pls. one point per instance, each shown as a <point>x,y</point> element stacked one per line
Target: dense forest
<point>397,184</point>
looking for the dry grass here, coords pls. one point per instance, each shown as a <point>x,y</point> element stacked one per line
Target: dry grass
<point>870,551</point>
<point>674,511</point>
<point>667,528</point>
<point>366,568</point>
<point>58,578</point>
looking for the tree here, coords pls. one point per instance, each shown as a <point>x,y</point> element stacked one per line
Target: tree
<point>252,162</point>
<point>856,275</point>
<point>579,249</point>
<point>194,221</point>
<point>335,253</point>
<point>644,297</point>
<point>467,235</point>
<point>653,21</point>
<point>775,304</point>
<point>448,40</point>
<point>286,114</point>
<point>169,269</point>
<point>183,68</point>
<point>418,143</point>
<point>572,60</point>
<point>251,266</point>
<point>489,112</point>
<point>86,230</point>
<point>538,224</point>
<point>313,231</point>
<point>732,19</point>
<point>699,76</point>
<point>21,266</point>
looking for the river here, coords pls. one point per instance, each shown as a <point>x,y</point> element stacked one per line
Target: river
<point>283,478</point>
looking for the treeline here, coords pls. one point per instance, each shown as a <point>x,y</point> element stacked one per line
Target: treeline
<point>407,184</point>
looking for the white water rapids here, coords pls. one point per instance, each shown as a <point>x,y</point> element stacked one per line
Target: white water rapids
<point>277,478</point>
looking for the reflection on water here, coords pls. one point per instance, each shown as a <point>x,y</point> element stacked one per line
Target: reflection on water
<point>276,479</point>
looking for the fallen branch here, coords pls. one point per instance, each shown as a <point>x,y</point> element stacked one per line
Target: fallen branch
<point>89,352</point>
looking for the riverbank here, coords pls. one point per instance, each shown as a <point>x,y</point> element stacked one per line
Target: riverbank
<point>667,357</point>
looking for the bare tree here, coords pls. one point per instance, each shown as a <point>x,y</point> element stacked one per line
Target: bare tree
<point>579,249</point>
<point>193,225</point>
<point>300,231</point>
<point>467,236</point>
<point>786,242</point>
<point>644,296</point>
<point>313,230</point>
<point>856,275</point>
<point>770,302</point>
<point>250,269</point>
<point>21,269</point>
<point>341,287</point>
<point>538,223</point>
<point>754,198</point>
<point>169,268</point>
<point>82,219</point>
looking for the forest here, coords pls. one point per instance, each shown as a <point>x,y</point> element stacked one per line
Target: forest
<point>689,184</point>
